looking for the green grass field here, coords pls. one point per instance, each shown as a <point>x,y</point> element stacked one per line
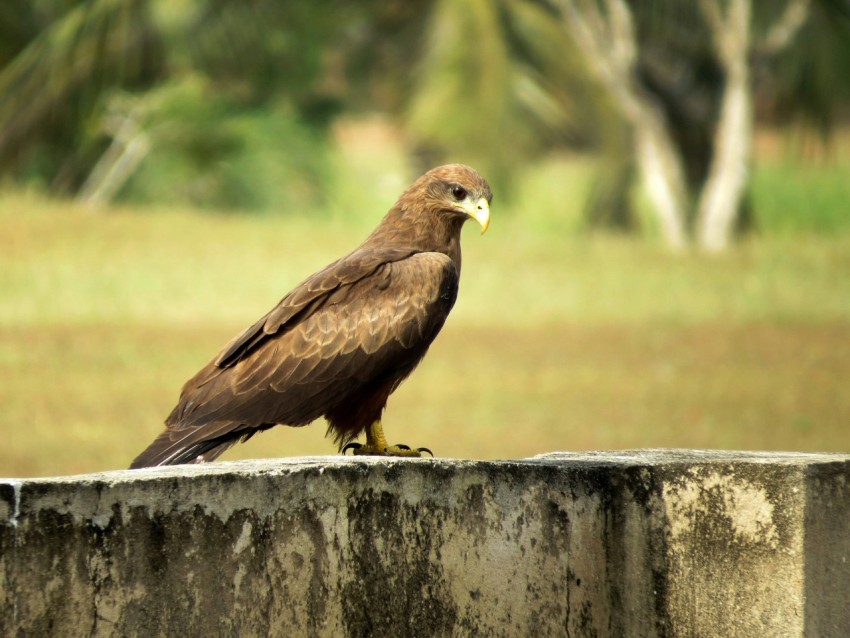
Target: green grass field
<point>559,341</point>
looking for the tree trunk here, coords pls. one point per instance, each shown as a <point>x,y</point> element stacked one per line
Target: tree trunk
<point>724,189</point>
<point>607,40</point>
<point>662,175</point>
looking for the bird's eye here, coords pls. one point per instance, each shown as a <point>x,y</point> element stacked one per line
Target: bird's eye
<point>458,193</point>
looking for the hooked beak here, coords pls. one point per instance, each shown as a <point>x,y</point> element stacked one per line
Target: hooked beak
<point>479,211</point>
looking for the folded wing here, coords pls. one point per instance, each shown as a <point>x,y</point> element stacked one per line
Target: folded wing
<point>364,321</point>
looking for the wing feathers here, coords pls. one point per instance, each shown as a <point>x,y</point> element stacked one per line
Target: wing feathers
<point>344,272</point>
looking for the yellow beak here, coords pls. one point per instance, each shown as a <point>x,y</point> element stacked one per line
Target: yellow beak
<point>479,211</point>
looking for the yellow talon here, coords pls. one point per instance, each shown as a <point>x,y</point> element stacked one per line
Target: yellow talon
<point>376,445</point>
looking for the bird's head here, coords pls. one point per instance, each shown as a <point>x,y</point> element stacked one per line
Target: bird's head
<point>430,213</point>
<point>456,191</point>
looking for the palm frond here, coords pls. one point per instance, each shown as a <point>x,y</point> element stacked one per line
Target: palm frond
<point>56,80</point>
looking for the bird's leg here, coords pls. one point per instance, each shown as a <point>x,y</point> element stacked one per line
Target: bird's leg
<point>375,438</point>
<point>376,444</point>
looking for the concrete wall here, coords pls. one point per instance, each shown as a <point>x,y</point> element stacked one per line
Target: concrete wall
<point>644,543</point>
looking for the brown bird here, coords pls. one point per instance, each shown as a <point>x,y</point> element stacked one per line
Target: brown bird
<point>343,340</point>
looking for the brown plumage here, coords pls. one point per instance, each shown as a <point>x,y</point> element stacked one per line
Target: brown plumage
<point>343,340</point>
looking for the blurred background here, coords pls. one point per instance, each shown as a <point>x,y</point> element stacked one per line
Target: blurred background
<point>668,263</point>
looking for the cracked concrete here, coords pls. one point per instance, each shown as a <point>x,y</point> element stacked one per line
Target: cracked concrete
<point>636,543</point>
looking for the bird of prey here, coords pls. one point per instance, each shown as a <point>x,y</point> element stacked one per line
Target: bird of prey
<point>343,340</point>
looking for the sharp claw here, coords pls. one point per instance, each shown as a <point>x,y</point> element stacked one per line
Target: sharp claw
<point>353,446</point>
<point>425,449</point>
<point>402,446</point>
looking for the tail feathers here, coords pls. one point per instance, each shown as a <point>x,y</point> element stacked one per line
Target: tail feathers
<point>192,445</point>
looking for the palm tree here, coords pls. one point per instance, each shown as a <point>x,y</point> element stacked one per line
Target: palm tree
<point>84,82</point>
<point>496,85</point>
<point>57,61</point>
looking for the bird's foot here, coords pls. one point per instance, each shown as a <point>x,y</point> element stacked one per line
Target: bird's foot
<point>376,445</point>
<point>400,449</point>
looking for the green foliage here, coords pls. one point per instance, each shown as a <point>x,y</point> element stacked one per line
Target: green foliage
<point>261,52</point>
<point>237,99</point>
<point>57,62</point>
<point>210,152</point>
<point>811,80</point>
<point>498,84</point>
<point>792,198</point>
<point>463,104</point>
<point>549,195</point>
<point>241,79</point>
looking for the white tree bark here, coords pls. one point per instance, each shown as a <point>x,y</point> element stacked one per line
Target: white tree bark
<point>720,199</point>
<point>130,145</point>
<point>723,191</point>
<point>783,32</point>
<point>604,33</point>
<point>607,41</point>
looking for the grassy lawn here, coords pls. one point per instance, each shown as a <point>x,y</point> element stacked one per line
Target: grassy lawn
<point>558,341</point>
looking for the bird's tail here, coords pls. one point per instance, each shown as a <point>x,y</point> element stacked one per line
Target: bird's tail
<point>190,445</point>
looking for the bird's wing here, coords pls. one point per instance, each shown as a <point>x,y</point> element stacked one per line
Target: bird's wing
<point>334,333</point>
<point>306,297</point>
<point>353,333</point>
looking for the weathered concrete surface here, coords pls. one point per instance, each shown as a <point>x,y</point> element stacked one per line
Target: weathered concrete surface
<point>644,543</point>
